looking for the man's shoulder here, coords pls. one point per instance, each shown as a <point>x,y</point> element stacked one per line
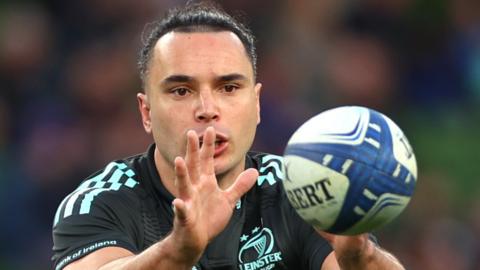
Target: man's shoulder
<point>115,186</point>
<point>269,166</point>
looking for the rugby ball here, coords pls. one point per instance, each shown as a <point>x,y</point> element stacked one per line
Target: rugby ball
<point>349,170</point>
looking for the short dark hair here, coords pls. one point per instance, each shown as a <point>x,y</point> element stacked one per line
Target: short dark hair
<point>195,17</point>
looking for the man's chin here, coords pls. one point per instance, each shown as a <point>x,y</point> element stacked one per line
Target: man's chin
<point>220,169</point>
<point>227,171</point>
<point>224,174</point>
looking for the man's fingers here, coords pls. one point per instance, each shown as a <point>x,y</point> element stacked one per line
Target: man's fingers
<point>180,209</point>
<point>242,184</point>
<point>192,155</point>
<point>182,179</point>
<point>207,152</point>
<point>328,236</point>
<point>333,239</point>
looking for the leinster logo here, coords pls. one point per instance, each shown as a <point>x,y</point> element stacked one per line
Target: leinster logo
<point>256,252</point>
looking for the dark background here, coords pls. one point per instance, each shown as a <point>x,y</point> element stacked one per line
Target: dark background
<point>68,81</point>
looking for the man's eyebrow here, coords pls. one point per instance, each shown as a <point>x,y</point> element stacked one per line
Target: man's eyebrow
<point>232,77</point>
<point>177,79</point>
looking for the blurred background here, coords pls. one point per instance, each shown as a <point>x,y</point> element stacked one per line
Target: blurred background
<point>68,81</point>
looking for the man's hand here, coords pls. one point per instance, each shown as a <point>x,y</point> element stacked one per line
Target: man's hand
<point>202,209</point>
<point>349,247</point>
<point>358,252</point>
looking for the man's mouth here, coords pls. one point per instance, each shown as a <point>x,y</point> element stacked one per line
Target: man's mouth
<point>221,144</point>
<point>220,147</point>
<point>218,142</point>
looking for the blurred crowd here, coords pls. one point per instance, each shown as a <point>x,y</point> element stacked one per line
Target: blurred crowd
<point>68,81</point>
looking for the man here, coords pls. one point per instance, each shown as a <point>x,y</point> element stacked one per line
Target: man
<point>191,202</point>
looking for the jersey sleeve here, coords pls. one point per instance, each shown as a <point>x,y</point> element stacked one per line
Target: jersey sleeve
<point>93,218</point>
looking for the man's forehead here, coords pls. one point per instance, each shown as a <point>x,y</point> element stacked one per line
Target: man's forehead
<point>175,40</point>
<point>181,48</point>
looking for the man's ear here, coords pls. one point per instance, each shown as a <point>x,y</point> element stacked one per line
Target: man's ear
<point>144,108</point>
<point>258,88</point>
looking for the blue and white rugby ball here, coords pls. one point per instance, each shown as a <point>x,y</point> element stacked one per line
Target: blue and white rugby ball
<point>349,170</point>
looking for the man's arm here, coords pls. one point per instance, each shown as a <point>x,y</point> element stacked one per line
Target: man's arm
<point>162,255</point>
<point>357,252</point>
<point>202,210</point>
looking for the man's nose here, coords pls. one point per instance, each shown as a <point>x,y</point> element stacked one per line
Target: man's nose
<point>207,108</point>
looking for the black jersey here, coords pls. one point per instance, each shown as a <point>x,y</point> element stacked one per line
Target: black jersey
<point>125,205</point>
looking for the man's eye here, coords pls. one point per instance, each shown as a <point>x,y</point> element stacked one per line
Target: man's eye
<point>182,91</point>
<point>229,88</point>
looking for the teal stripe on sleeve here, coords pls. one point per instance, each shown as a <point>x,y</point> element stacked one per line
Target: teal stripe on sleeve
<point>94,186</point>
<point>88,199</point>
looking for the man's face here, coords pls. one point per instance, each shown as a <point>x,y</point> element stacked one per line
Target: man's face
<point>197,80</point>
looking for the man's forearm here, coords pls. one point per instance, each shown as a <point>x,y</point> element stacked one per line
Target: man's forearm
<point>372,258</point>
<point>160,256</point>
